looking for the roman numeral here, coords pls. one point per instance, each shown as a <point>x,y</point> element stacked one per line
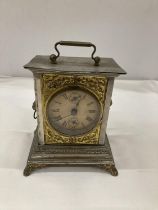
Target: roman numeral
<point>91,111</point>
<point>56,118</point>
<point>57,102</point>
<point>83,97</point>
<point>64,124</point>
<point>65,96</point>
<point>89,119</point>
<point>90,103</point>
<point>55,110</point>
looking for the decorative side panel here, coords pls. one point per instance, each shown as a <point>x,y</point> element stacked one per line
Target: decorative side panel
<point>51,83</point>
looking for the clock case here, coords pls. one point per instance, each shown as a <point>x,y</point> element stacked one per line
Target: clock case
<point>54,72</point>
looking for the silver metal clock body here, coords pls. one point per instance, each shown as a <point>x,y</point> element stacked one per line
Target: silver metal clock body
<point>72,102</point>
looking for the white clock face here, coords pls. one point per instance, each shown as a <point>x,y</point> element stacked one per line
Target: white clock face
<point>73,111</point>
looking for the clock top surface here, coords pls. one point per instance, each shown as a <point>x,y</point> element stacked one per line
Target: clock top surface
<point>42,63</point>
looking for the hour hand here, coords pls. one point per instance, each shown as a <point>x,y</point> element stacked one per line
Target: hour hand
<point>79,100</point>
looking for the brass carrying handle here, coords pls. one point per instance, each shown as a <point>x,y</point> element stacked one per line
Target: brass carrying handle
<point>54,57</point>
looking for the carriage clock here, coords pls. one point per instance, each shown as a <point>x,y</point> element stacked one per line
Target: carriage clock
<point>72,101</point>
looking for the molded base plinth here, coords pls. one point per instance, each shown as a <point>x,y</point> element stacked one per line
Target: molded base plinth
<point>70,155</point>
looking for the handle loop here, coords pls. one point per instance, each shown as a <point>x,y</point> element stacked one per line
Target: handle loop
<point>54,57</point>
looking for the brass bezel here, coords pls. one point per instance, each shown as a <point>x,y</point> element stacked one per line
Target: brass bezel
<point>51,84</point>
<point>75,87</point>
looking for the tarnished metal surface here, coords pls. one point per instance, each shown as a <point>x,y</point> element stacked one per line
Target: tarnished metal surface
<point>38,98</point>
<point>74,65</point>
<point>70,155</point>
<point>106,109</point>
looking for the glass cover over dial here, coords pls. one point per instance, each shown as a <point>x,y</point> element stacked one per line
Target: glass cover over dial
<point>73,111</point>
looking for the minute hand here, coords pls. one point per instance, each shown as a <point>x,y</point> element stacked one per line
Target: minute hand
<point>63,117</point>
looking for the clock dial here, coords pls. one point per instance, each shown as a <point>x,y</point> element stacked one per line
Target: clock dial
<point>73,111</point>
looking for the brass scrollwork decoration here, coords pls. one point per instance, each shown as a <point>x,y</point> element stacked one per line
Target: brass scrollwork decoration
<point>51,83</point>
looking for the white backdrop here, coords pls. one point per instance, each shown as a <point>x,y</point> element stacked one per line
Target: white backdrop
<point>123,29</point>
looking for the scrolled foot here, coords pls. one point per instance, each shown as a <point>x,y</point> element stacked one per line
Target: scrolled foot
<point>110,168</point>
<point>113,171</point>
<point>28,169</point>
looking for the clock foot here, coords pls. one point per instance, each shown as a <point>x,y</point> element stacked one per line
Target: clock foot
<point>28,169</point>
<point>114,171</point>
<point>110,168</point>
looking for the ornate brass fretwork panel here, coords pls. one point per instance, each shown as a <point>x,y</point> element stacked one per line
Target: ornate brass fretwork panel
<point>51,83</point>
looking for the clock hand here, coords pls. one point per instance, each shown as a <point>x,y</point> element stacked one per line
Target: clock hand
<point>73,113</point>
<point>62,117</point>
<point>80,99</point>
<point>66,116</point>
